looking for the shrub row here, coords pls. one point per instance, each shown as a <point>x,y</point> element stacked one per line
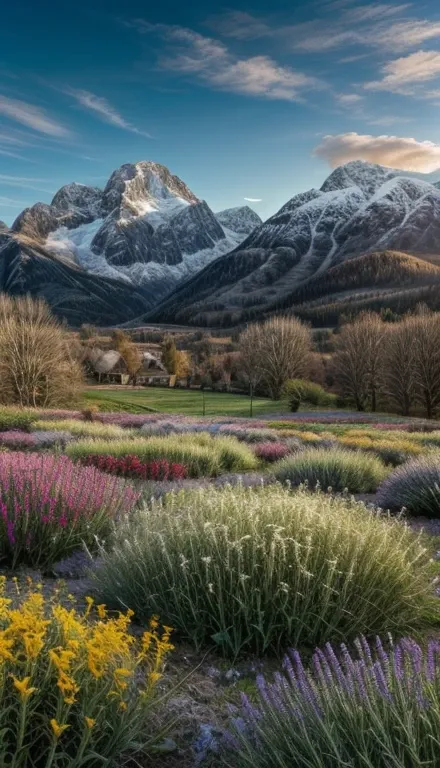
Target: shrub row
<point>201,454</point>
<point>83,428</point>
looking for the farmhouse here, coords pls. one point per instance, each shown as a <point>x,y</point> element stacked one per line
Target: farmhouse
<point>109,367</point>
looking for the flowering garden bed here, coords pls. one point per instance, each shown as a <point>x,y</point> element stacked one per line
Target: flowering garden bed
<point>235,572</point>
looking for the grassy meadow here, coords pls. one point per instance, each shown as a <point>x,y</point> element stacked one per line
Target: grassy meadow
<point>191,402</point>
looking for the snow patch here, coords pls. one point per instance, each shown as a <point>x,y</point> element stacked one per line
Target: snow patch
<point>75,244</point>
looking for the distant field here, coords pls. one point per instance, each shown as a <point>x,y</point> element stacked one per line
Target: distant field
<point>186,401</point>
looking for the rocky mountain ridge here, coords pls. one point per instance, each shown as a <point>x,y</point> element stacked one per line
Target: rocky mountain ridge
<point>361,208</point>
<point>145,230</point>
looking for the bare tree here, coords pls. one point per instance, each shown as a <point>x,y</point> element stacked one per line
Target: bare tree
<point>400,366</point>
<point>426,342</point>
<point>37,367</point>
<point>358,360</point>
<point>274,351</point>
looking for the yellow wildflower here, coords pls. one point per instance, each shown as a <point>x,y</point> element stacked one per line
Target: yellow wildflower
<point>122,705</point>
<point>102,612</point>
<point>58,728</point>
<point>33,644</point>
<point>89,601</point>
<point>5,648</point>
<point>153,678</point>
<point>22,687</point>
<point>154,622</point>
<point>90,722</point>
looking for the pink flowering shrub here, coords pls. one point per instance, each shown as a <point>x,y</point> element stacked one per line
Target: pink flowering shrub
<point>50,506</point>
<point>271,451</point>
<point>133,467</point>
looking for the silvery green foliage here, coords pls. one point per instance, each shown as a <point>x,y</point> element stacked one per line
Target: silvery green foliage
<point>414,486</point>
<point>339,470</point>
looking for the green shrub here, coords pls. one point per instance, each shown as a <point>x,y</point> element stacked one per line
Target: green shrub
<point>297,391</point>
<point>234,456</point>
<point>201,454</point>
<point>83,428</point>
<point>336,469</point>
<point>414,486</point>
<point>15,418</point>
<point>258,570</point>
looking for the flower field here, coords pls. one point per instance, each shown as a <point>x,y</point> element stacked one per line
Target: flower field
<point>200,552</point>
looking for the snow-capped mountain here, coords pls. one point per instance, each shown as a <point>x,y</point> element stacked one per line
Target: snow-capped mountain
<point>146,228</point>
<point>361,208</point>
<point>242,219</point>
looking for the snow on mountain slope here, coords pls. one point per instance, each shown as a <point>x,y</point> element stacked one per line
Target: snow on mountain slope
<point>361,208</point>
<point>241,219</point>
<point>146,227</point>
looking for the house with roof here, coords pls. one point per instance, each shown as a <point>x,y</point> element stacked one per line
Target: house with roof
<point>109,367</point>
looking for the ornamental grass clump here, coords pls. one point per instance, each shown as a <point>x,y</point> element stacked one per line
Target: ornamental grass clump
<point>15,418</point>
<point>393,451</point>
<point>336,469</point>
<point>76,689</point>
<point>414,486</point>
<point>202,454</point>
<point>83,428</point>
<point>251,435</point>
<point>376,707</point>
<point>259,570</point>
<point>50,507</point>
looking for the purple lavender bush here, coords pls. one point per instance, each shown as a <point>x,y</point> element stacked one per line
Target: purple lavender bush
<point>50,506</point>
<point>375,708</point>
<point>414,486</point>
<point>17,440</point>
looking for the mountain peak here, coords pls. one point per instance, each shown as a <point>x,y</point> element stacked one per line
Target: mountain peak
<point>357,173</point>
<point>139,188</point>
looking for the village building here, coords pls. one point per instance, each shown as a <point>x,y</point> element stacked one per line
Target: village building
<point>109,367</point>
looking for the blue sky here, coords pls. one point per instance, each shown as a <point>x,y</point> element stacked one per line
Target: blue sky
<point>250,100</point>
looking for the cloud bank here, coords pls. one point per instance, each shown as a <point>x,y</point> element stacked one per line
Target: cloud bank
<point>253,199</point>
<point>393,151</point>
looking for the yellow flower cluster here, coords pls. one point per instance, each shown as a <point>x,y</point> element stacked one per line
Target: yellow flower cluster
<point>71,670</point>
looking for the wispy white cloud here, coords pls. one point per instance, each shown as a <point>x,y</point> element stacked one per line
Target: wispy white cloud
<point>253,199</point>
<point>211,62</point>
<point>348,99</point>
<point>400,75</point>
<point>31,116</point>
<point>25,182</point>
<point>387,120</point>
<point>393,151</point>
<point>103,109</point>
<point>9,202</point>
<point>370,25</point>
